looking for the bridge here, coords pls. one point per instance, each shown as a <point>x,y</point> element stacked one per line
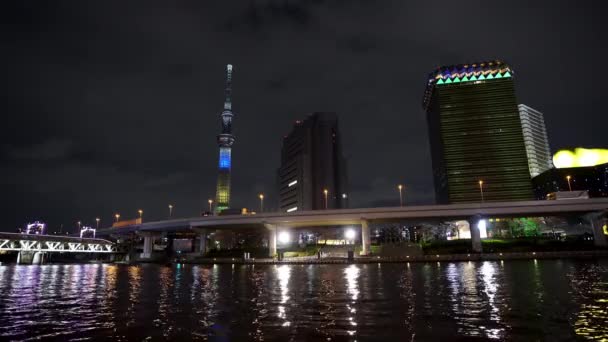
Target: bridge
<point>32,247</point>
<point>592,209</point>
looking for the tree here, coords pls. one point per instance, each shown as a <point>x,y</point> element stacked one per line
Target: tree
<point>523,227</point>
<point>530,227</point>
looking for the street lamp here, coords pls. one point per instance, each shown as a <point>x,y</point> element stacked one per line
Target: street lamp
<point>79,225</point>
<point>210,205</point>
<point>481,189</point>
<point>350,234</point>
<point>568,179</point>
<point>261,202</point>
<point>400,187</point>
<point>284,238</point>
<point>170,210</point>
<point>141,213</point>
<point>345,198</point>
<point>325,194</point>
<point>97,220</point>
<point>117,216</point>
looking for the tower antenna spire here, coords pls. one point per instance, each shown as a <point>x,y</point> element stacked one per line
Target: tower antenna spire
<point>228,89</point>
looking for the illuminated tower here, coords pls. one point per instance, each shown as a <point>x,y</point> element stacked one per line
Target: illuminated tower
<point>477,141</point>
<point>224,142</point>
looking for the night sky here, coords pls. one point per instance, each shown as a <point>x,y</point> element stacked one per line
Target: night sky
<point>113,106</point>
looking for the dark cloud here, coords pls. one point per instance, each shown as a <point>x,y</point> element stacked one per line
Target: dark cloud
<point>113,106</point>
<point>49,150</point>
<point>265,14</point>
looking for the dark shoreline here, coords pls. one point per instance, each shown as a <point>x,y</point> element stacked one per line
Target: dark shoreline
<point>424,258</point>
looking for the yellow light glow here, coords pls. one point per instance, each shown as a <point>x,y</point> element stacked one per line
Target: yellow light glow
<point>580,157</point>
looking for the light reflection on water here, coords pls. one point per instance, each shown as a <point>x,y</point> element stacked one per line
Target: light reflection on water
<point>511,300</point>
<point>283,273</point>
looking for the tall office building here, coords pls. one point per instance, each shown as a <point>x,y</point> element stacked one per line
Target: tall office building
<point>311,162</point>
<point>224,142</point>
<point>476,137</point>
<point>535,139</point>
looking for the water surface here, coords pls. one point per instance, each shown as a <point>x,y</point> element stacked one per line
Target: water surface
<point>512,300</point>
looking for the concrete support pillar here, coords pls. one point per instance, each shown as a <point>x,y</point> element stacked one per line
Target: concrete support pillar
<point>272,239</point>
<point>202,245</point>
<point>25,257</point>
<point>365,240</point>
<point>475,235</point>
<point>38,258</point>
<point>148,245</point>
<point>598,221</point>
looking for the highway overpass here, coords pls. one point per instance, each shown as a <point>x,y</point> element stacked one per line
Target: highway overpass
<point>595,209</point>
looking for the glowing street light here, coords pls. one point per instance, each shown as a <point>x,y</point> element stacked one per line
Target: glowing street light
<point>284,237</point>
<point>170,210</point>
<point>569,186</point>
<point>117,216</point>
<point>481,189</point>
<point>141,213</point>
<point>261,202</point>
<point>210,205</point>
<point>400,187</point>
<point>350,234</point>
<point>482,226</point>
<point>325,192</point>
<point>97,219</point>
<point>79,225</point>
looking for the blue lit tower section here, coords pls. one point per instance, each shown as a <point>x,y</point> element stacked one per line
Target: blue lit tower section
<point>224,142</point>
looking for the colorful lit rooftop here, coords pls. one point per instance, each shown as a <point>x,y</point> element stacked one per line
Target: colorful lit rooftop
<point>462,73</point>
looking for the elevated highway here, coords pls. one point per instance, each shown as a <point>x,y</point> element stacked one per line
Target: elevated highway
<point>593,209</point>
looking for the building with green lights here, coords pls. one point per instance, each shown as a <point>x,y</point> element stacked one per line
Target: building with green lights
<point>475,132</point>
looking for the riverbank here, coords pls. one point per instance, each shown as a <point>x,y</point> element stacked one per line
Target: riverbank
<point>404,259</point>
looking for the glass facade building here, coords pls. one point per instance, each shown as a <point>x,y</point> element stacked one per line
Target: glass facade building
<point>535,139</point>
<point>477,143</point>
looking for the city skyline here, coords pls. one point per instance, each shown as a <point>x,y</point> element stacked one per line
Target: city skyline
<point>107,133</point>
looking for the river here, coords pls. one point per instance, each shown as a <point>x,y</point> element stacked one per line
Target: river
<point>549,300</point>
